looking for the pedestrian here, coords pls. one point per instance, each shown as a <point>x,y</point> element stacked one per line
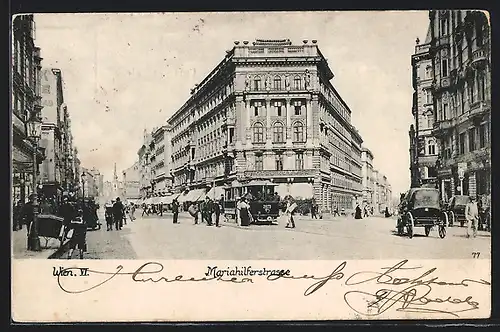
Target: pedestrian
<point>217,210</point>
<point>132,211</point>
<point>78,239</point>
<point>472,216</point>
<point>193,211</point>
<point>336,211</point>
<point>290,211</point>
<point>208,210</point>
<point>28,213</point>
<point>118,214</point>
<point>17,215</point>
<point>314,207</point>
<point>108,213</point>
<point>175,210</point>
<point>357,214</point>
<point>67,212</point>
<point>365,210</point>
<point>387,214</point>
<point>244,212</point>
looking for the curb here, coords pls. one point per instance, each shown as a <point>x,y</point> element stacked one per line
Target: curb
<point>59,251</point>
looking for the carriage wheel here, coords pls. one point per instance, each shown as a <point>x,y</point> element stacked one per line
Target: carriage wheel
<point>427,230</point>
<point>410,225</point>
<point>442,231</point>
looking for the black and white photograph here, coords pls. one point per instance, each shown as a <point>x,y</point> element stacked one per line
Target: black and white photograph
<point>253,136</point>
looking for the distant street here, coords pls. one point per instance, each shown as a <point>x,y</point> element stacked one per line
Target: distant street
<point>337,238</point>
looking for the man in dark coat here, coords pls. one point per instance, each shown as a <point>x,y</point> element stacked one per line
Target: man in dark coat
<point>217,210</point>
<point>17,216</point>
<point>175,210</point>
<point>28,213</point>
<point>118,213</point>
<point>67,212</point>
<point>208,210</point>
<point>357,215</point>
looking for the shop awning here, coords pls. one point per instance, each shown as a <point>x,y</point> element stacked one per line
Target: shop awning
<point>182,197</point>
<point>148,201</point>
<point>155,200</point>
<point>169,199</point>
<point>215,192</point>
<point>194,195</point>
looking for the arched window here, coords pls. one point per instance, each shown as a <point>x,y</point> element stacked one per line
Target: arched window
<point>258,133</point>
<point>256,83</point>
<point>278,132</point>
<point>277,83</point>
<point>297,83</point>
<point>298,132</point>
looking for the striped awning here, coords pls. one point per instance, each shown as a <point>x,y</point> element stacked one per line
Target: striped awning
<point>182,197</point>
<point>215,192</point>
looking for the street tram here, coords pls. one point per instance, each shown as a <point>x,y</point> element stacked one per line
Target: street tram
<point>264,204</point>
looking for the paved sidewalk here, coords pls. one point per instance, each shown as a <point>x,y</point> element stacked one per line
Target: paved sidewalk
<point>19,246</point>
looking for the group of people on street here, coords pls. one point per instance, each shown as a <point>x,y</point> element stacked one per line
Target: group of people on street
<point>116,214</point>
<point>204,211</point>
<point>477,217</point>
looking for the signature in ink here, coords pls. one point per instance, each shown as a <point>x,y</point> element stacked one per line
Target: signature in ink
<point>415,297</point>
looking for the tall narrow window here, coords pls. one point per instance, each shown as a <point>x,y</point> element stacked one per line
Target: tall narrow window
<point>431,148</point>
<point>479,35</point>
<point>470,90</point>
<point>299,161</point>
<point>298,132</point>
<point>258,133</point>
<point>462,101</point>
<point>259,162</point>
<point>430,120</point>
<point>297,107</point>
<point>277,83</point>
<point>481,86</point>
<point>278,132</point>
<point>428,96</point>
<point>256,83</point>
<point>278,105</point>
<point>279,162</point>
<point>472,139</point>
<point>297,83</point>
<point>257,108</point>
<point>446,111</point>
<point>461,141</point>
<point>231,135</point>
<point>444,68</point>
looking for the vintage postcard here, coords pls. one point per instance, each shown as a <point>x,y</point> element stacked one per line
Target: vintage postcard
<point>246,166</point>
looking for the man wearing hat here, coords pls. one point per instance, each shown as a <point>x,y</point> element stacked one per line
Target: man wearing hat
<point>472,216</point>
<point>118,214</point>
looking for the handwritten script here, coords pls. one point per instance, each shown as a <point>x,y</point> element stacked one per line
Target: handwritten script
<point>400,287</point>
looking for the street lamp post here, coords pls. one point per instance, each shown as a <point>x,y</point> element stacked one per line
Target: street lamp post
<point>34,131</point>
<point>83,176</point>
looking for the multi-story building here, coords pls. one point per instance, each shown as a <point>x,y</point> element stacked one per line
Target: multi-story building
<point>26,100</point>
<point>98,182</point>
<point>52,171</point>
<point>423,144</point>
<point>90,185</point>
<point>67,151</point>
<point>145,170</point>
<point>161,158</point>
<point>461,57</point>
<point>367,174</point>
<point>268,110</point>
<point>131,177</point>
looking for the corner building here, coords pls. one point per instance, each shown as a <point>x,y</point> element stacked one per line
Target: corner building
<point>269,111</point>
<point>461,53</point>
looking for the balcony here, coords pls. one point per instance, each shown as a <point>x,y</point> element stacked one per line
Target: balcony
<point>479,109</point>
<point>441,128</point>
<point>479,58</point>
<point>280,174</point>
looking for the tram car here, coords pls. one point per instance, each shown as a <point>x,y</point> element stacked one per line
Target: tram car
<point>260,195</point>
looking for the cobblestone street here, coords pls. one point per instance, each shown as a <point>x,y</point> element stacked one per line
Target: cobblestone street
<point>334,238</point>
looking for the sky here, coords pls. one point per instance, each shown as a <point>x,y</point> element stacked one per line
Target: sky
<point>124,73</point>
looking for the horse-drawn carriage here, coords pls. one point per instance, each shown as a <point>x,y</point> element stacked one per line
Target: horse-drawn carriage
<point>264,204</point>
<point>421,207</point>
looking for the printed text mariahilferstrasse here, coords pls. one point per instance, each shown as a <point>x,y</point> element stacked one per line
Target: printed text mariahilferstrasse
<point>244,271</point>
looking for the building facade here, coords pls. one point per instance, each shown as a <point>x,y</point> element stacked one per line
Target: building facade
<point>269,111</point>
<point>145,165</point>
<point>131,177</point>
<point>26,99</point>
<point>423,143</point>
<point>56,135</point>
<point>161,160</point>
<point>461,57</point>
<point>368,179</point>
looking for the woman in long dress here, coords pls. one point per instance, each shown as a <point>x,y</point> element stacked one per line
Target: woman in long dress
<point>244,213</point>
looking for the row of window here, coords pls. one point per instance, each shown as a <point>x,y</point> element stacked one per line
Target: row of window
<point>278,83</point>
<point>278,132</point>
<point>474,91</point>
<point>334,100</point>
<point>477,139</point>
<point>278,107</point>
<point>278,161</point>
